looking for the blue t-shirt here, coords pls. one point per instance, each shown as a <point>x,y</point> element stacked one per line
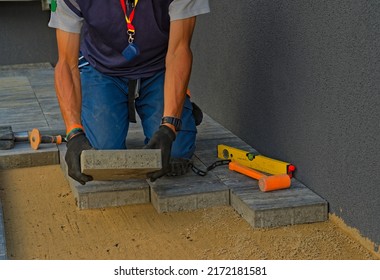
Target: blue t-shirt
<point>104,31</point>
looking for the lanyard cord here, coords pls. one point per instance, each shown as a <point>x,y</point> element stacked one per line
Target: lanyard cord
<point>130,27</point>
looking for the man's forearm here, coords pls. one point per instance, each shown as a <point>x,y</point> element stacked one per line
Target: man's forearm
<point>67,78</point>
<point>178,69</point>
<point>179,60</point>
<point>67,83</point>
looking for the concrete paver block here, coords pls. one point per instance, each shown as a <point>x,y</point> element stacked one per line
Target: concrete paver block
<point>100,194</point>
<point>6,138</point>
<point>296,205</point>
<point>22,155</point>
<point>120,164</point>
<point>188,192</point>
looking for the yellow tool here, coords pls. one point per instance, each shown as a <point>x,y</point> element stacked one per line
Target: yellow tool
<point>258,162</point>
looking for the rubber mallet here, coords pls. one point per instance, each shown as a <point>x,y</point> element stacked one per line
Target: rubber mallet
<point>266,183</point>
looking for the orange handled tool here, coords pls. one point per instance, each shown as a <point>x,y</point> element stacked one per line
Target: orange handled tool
<point>266,183</point>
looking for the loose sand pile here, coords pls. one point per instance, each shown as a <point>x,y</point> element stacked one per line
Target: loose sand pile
<point>43,222</point>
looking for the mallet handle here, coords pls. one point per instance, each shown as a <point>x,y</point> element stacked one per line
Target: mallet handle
<point>245,170</point>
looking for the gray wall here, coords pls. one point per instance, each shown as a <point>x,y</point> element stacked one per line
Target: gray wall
<point>299,80</point>
<point>296,79</point>
<point>24,34</point>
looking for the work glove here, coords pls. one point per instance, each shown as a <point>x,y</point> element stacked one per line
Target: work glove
<point>162,139</point>
<point>197,113</point>
<point>75,146</point>
<point>179,166</point>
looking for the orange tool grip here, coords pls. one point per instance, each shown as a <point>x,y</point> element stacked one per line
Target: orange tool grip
<point>245,170</point>
<point>35,139</point>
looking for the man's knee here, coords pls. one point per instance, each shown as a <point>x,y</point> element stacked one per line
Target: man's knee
<point>184,145</point>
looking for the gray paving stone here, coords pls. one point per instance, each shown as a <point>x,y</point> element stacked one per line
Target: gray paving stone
<point>3,247</point>
<point>14,82</point>
<point>188,192</point>
<point>103,194</point>
<point>296,205</point>
<point>22,155</point>
<point>105,165</point>
<point>100,194</point>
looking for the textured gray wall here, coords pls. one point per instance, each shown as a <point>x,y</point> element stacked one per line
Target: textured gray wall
<point>300,81</point>
<point>24,34</point>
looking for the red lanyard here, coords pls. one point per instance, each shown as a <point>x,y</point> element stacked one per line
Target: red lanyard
<point>130,27</point>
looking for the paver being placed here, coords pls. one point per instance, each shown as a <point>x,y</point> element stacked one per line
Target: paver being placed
<point>3,247</point>
<point>105,165</point>
<point>99,194</point>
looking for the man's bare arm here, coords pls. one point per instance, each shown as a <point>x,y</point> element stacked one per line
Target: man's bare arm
<point>67,78</point>
<point>179,60</point>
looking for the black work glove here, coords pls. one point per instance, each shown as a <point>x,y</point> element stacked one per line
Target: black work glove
<point>162,139</point>
<point>75,146</point>
<point>197,113</point>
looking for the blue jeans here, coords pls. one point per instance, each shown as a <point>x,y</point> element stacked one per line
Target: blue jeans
<point>105,111</point>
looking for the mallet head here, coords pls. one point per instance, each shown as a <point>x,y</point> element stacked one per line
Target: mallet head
<point>274,182</point>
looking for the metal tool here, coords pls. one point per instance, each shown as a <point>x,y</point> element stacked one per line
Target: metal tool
<point>8,138</point>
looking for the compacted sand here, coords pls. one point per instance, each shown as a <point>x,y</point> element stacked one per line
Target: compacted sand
<point>42,222</point>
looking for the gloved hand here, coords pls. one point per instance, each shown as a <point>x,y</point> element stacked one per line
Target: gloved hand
<point>162,139</point>
<point>75,146</point>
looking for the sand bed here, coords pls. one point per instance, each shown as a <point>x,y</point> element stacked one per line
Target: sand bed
<point>42,222</point>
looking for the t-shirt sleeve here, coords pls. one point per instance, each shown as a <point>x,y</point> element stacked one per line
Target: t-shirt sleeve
<point>181,9</point>
<point>65,18</point>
